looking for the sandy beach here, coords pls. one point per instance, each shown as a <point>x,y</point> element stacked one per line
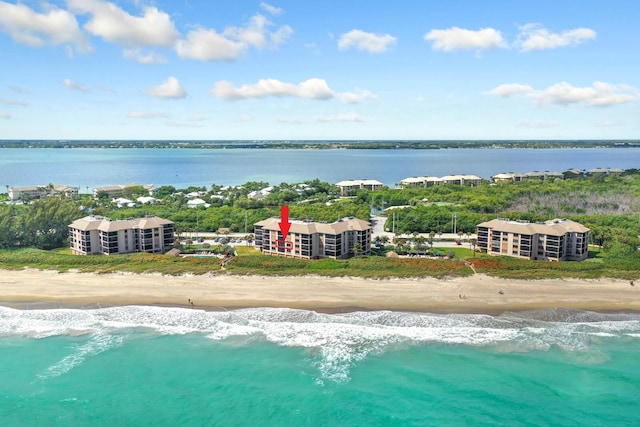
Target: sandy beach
<point>480,293</point>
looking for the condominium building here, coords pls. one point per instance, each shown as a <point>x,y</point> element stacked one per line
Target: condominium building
<point>344,238</point>
<point>100,235</point>
<point>349,187</point>
<point>116,190</point>
<point>430,181</point>
<point>554,240</point>
<point>38,191</point>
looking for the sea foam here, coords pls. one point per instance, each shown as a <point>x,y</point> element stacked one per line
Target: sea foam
<point>338,341</point>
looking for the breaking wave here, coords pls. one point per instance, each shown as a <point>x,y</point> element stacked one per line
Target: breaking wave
<point>338,341</point>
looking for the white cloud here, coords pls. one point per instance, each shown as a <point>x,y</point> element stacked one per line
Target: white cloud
<point>288,120</point>
<point>53,27</point>
<point>609,124</point>
<point>347,117</point>
<point>460,39</point>
<point>354,98</point>
<point>74,85</point>
<point>369,42</point>
<point>310,89</point>
<point>184,125</point>
<point>15,102</point>
<point>5,115</point>
<point>207,45</point>
<point>508,89</point>
<point>115,25</point>
<point>170,89</point>
<point>141,57</point>
<point>536,37</point>
<point>198,118</point>
<point>272,10</point>
<point>245,118</point>
<point>599,94</point>
<point>536,125</point>
<point>256,33</point>
<point>145,115</point>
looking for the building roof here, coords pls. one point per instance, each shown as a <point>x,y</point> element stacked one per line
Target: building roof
<point>554,227</point>
<point>352,182</point>
<point>102,223</point>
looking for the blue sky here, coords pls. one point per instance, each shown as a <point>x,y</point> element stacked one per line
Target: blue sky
<point>330,69</point>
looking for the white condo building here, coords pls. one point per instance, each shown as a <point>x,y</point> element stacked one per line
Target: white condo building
<point>101,235</point>
<point>314,240</point>
<point>554,240</point>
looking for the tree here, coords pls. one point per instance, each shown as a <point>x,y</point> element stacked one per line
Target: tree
<point>357,247</point>
<point>473,242</point>
<point>45,223</point>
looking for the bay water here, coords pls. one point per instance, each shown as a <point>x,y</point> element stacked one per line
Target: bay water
<point>93,167</point>
<point>140,366</point>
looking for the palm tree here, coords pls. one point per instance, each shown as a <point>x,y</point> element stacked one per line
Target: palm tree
<point>357,247</point>
<point>473,242</point>
<point>384,239</point>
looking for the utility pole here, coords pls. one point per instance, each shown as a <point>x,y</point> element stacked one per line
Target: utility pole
<point>454,220</point>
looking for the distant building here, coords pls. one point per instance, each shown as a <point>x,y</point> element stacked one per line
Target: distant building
<point>420,181</point>
<point>114,191</point>
<point>604,171</point>
<point>314,240</point>
<point>471,180</point>
<point>573,173</point>
<point>100,235</point>
<point>38,191</point>
<point>554,240</point>
<point>430,181</point>
<point>349,187</point>
<point>196,203</point>
<point>543,175</point>
<point>507,177</point>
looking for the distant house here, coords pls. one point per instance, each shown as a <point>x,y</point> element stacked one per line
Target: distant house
<point>314,240</point>
<point>146,199</point>
<point>101,235</point>
<point>349,187</point>
<point>196,203</point>
<point>260,194</point>
<point>38,191</point>
<point>121,202</point>
<point>554,240</point>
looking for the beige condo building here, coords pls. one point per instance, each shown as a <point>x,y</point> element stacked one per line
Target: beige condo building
<point>314,240</point>
<point>554,240</point>
<point>101,235</point>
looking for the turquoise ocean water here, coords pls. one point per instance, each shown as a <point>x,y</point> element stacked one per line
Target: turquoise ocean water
<point>162,366</point>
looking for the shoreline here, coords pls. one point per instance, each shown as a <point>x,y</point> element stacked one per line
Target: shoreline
<point>34,289</point>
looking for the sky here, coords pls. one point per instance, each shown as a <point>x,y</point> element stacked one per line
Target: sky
<point>320,69</point>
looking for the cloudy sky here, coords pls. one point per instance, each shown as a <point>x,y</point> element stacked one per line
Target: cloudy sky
<point>319,69</point>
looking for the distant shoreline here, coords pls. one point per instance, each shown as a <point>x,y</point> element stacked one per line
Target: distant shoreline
<point>479,293</point>
<point>321,144</point>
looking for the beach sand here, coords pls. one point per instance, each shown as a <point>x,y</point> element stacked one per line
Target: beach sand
<point>223,291</point>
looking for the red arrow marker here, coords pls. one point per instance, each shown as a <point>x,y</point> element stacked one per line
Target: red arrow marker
<point>284,223</point>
